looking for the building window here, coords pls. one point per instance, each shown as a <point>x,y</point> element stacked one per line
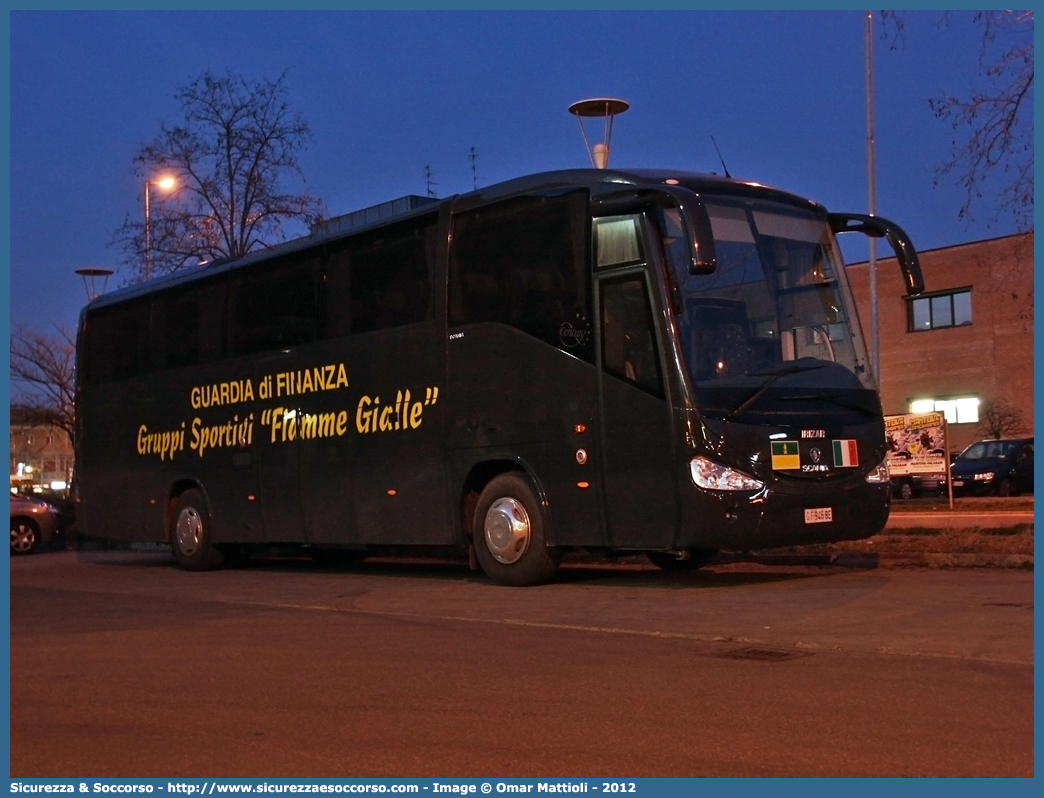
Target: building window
<point>949,309</point>
<point>957,410</point>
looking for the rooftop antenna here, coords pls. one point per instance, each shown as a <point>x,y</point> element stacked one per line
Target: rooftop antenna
<point>427,179</point>
<point>604,107</point>
<point>90,275</point>
<point>723,166</point>
<point>473,157</point>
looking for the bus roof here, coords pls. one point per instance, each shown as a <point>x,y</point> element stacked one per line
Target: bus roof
<point>564,179</point>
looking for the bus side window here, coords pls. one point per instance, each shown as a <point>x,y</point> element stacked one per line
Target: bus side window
<point>374,283</point>
<point>628,336</point>
<point>99,347</point>
<point>618,240</point>
<point>338,301</point>
<point>188,325</point>
<point>130,340</point>
<point>176,327</point>
<point>523,263</point>
<point>275,308</point>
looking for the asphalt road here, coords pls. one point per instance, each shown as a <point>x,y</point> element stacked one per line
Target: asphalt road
<point>121,665</point>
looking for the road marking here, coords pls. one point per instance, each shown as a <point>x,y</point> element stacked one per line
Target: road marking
<point>615,630</point>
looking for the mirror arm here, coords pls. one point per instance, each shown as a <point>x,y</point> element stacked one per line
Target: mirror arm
<point>879,227</point>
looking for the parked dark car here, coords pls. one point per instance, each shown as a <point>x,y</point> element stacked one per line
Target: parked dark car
<point>994,468</point>
<point>34,523</point>
<point>910,486</point>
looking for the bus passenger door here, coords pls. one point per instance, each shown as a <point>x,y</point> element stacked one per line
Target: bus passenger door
<point>640,488</point>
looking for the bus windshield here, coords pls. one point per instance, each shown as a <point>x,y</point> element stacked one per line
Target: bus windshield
<point>775,322</point>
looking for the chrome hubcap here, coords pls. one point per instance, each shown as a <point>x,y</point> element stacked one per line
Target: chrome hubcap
<point>507,530</point>
<point>22,538</point>
<point>189,531</point>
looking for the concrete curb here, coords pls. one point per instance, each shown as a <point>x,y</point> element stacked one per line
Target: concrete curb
<point>870,560</point>
<point>962,520</point>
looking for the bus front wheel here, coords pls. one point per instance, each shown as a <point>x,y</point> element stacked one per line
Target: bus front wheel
<point>192,538</point>
<point>509,533</point>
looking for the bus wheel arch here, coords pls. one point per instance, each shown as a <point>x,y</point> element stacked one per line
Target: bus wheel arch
<point>508,531</point>
<point>191,531</point>
<point>480,475</point>
<point>170,514</point>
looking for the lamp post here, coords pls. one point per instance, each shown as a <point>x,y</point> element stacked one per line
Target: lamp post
<point>604,107</point>
<point>871,183</point>
<point>90,275</point>
<point>165,183</point>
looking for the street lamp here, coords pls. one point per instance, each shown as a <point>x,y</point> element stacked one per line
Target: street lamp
<point>604,107</point>
<point>165,183</point>
<point>90,275</point>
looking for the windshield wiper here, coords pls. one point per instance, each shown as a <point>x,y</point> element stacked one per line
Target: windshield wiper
<point>773,376</point>
<point>833,400</point>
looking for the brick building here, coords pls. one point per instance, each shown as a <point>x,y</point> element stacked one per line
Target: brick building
<point>966,341</point>
<point>41,456</point>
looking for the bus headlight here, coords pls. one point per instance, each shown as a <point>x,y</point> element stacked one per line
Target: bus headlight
<point>879,475</point>
<point>714,476</point>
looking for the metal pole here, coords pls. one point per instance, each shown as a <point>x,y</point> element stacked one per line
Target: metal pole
<point>949,473</point>
<point>148,235</point>
<point>875,348</point>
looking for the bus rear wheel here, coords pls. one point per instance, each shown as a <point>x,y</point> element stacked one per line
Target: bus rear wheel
<point>667,561</point>
<point>509,533</point>
<point>192,538</point>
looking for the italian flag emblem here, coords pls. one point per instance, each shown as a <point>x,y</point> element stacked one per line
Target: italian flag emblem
<point>785,455</point>
<point>845,454</point>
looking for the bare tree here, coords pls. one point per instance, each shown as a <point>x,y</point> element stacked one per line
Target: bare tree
<point>999,418</point>
<point>994,122</point>
<point>992,153</point>
<point>43,373</point>
<point>229,156</point>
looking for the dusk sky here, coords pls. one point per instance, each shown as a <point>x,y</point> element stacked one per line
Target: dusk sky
<point>387,94</point>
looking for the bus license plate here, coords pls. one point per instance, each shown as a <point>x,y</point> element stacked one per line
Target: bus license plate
<point>819,515</point>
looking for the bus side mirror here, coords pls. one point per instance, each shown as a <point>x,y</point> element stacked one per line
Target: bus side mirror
<point>695,219</point>
<point>878,227</point>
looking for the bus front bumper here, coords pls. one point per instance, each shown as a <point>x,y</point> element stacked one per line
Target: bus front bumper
<point>774,518</point>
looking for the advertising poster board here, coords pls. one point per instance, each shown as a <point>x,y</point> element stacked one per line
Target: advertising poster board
<point>917,445</point>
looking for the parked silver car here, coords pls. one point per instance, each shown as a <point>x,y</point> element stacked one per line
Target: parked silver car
<point>33,523</point>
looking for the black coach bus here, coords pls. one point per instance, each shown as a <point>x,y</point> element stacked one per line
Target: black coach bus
<point>599,360</point>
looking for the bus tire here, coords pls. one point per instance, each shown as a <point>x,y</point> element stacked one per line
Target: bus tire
<point>509,533</point>
<point>668,562</point>
<point>192,536</point>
